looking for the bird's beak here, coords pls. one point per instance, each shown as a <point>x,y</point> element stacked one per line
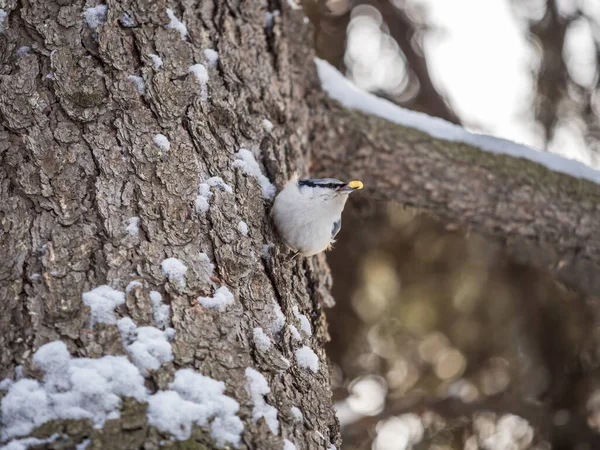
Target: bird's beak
<point>352,186</point>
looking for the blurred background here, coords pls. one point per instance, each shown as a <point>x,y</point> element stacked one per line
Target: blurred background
<point>438,340</point>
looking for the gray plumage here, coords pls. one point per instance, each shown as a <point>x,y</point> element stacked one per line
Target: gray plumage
<point>337,226</point>
<point>308,213</point>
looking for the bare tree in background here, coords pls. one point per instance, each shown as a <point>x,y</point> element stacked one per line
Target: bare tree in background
<point>420,94</point>
<point>561,101</point>
<point>561,97</point>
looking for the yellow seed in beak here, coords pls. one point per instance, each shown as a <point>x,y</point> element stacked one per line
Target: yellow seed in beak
<point>355,184</point>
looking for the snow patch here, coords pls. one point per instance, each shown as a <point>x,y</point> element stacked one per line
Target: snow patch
<point>160,311</point>
<point>267,125</point>
<point>176,24</point>
<point>217,182</point>
<point>304,322</point>
<point>102,301</point>
<point>148,347</point>
<point>221,300</point>
<point>202,202</point>
<point>243,227</point>
<point>162,142</point>
<point>297,414</point>
<point>199,72</point>
<point>133,226</point>
<point>195,399</point>
<point>201,75</point>
<point>72,388</point>
<point>307,359</point>
<point>295,334</point>
<point>175,271</point>
<point>261,340</point>
<point>211,57</point>
<point>132,285</point>
<point>157,61</point>
<point>339,88</point>
<point>139,83</point>
<point>278,319</point>
<point>24,444</point>
<point>92,389</point>
<point>245,160</point>
<point>95,16</point>
<point>257,388</point>
<point>288,445</point>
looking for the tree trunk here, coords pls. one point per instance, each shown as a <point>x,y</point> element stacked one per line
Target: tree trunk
<point>90,196</point>
<point>108,199</point>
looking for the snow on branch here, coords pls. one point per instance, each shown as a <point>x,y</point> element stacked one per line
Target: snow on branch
<point>339,88</point>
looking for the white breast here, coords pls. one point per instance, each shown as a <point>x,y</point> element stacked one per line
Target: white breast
<point>305,217</point>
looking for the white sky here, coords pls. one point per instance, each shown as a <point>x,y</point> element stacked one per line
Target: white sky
<point>483,63</point>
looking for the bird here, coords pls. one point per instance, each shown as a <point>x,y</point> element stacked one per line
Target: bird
<point>308,212</point>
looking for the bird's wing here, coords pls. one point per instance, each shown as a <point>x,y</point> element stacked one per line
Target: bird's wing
<point>336,228</point>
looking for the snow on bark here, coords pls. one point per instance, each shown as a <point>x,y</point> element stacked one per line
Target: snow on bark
<point>258,387</point>
<point>102,301</point>
<point>261,340</point>
<point>176,24</point>
<point>175,271</point>
<point>245,160</point>
<point>304,322</point>
<point>162,142</point>
<point>220,301</point>
<point>307,359</point>
<point>211,57</point>
<point>195,399</point>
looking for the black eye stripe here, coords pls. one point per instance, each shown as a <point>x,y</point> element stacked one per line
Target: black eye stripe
<point>311,183</point>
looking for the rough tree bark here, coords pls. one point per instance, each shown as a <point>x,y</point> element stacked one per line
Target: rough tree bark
<point>78,161</point>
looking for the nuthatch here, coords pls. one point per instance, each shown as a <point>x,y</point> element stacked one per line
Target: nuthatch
<point>308,213</point>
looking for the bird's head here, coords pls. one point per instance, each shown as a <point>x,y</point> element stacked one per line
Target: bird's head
<point>328,187</point>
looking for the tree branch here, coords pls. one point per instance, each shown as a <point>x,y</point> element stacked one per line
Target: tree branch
<point>544,219</point>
